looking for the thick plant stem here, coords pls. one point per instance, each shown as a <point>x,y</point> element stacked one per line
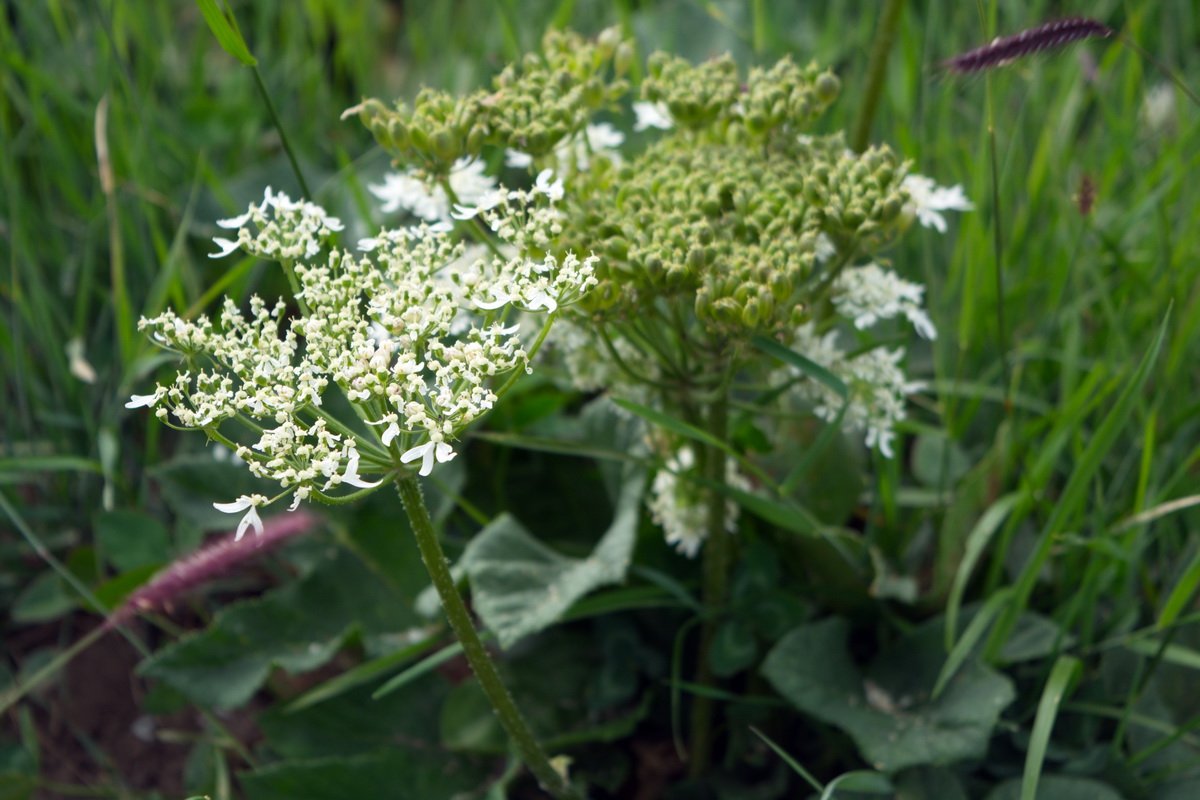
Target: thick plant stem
<point>885,35</point>
<point>528,749</point>
<point>718,558</point>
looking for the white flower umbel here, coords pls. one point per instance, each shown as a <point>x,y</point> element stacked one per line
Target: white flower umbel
<point>678,504</point>
<point>875,382</point>
<point>415,192</point>
<point>926,199</point>
<point>406,333</point>
<point>870,293</point>
<point>286,229</point>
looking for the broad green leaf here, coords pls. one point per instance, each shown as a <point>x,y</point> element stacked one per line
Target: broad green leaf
<point>18,785</point>
<point>130,539</point>
<point>734,648</point>
<point>1058,787</point>
<point>394,773</point>
<point>887,709</point>
<point>225,29</point>
<point>929,783</point>
<point>44,598</point>
<point>190,484</point>
<point>358,721</point>
<point>938,461</point>
<point>297,627</point>
<point>1181,790</point>
<point>520,586</point>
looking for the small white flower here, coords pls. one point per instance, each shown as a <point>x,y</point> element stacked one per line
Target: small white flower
<point>552,190</point>
<point>227,246</point>
<point>542,299</point>
<point>428,453</point>
<point>248,503</point>
<point>652,115</point>
<point>350,476</point>
<point>391,431</point>
<point>499,299</point>
<point>926,199</point>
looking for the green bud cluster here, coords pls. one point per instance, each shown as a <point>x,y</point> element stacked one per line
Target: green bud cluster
<point>532,106</point>
<point>786,97</point>
<point>723,228</point>
<point>545,98</point>
<point>857,197</point>
<point>696,95</point>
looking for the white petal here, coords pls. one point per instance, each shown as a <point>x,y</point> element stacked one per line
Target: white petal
<point>423,452</point>
<point>488,305</point>
<point>464,212</point>
<point>251,520</point>
<point>227,246</point>
<point>241,504</point>
<point>543,300</point>
<point>234,222</point>
<point>142,401</point>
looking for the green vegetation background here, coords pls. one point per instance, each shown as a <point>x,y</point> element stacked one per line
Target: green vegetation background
<point>125,131</point>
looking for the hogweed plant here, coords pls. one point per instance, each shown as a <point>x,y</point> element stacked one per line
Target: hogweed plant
<point>726,224</point>
<point>669,274</point>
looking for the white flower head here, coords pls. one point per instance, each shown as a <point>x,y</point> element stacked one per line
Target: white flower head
<point>412,191</point>
<point>287,229</point>
<point>870,293</point>
<point>876,384</point>
<point>248,503</point>
<point>678,506</point>
<point>926,199</point>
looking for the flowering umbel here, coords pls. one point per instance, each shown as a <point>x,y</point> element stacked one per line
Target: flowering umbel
<point>411,332</point>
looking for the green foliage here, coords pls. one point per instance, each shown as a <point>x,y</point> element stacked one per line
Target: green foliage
<point>887,708</point>
<point>298,627</point>
<point>1036,501</point>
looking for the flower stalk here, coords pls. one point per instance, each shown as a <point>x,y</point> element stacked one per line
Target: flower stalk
<point>522,738</point>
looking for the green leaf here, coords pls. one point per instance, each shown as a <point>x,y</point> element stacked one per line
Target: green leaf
<point>733,648</point>
<point>398,773</point>
<point>366,672</point>
<point>43,599</point>
<point>977,542</point>
<point>1077,488</point>
<point>805,365</point>
<point>887,709</point>
<point>938,461</point>
<point>130,539</point>
<point>860,782</point>
<point>1061,677</point>
<point>520,586</point>
<point>1180,596</point>
<point>1058,787</point>
<point>929,783</point>
<point>358,721</point>
<point>17,785</point>
<point>225,29</point>
<point>297,627</point>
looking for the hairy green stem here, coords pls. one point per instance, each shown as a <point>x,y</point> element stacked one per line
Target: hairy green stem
<point>527,747</point>
<point>885,34</point>
<point>718,558</point>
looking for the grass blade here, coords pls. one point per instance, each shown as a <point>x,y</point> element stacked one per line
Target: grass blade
<point>1065,669</point>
